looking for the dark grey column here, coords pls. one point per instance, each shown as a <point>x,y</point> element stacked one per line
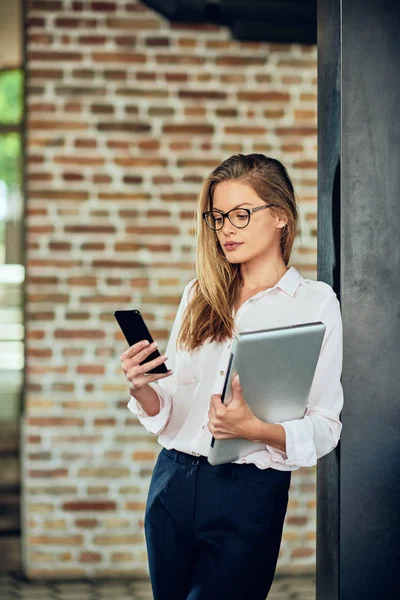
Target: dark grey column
<point>358,541</point>
<point>329,96</point>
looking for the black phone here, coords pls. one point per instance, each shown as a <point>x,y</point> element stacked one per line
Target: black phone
<point>135,330</point>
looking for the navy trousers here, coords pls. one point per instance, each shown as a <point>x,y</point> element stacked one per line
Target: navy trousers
<point>213,533</point>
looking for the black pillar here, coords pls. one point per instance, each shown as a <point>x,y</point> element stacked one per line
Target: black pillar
<point>358,531</point>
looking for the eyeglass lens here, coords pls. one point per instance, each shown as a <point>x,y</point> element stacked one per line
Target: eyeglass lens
<point>238,218</point>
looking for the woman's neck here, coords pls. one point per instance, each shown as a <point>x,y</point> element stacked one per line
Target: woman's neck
<point>264,277</point>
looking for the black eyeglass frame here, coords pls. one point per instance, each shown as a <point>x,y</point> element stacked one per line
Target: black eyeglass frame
<point>224,215</point>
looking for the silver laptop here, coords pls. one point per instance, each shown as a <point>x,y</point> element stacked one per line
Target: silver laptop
<point>276,369</point>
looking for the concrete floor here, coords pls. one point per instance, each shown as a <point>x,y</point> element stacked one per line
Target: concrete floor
<point>14,587</point>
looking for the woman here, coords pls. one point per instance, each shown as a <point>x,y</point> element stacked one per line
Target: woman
<point>215,532</point>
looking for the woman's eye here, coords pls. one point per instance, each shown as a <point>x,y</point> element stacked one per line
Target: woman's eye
<point>241,216</point>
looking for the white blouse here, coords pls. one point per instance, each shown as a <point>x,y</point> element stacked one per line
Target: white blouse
<point>185,395</point>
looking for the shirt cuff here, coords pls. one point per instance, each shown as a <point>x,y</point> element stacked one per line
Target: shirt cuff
<point>299,453</point>
<point>159,421</point>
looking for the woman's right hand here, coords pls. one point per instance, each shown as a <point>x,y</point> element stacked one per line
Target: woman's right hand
<point>135,376</point>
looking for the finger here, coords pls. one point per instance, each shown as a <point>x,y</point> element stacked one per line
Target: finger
<point>154,377</point>
<point>148,366</point>
<point>132,350</point>
<point>216,401</point>
<point>143,354</point>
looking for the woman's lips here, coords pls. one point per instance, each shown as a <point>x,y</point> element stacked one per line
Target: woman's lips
<point>233,246</point>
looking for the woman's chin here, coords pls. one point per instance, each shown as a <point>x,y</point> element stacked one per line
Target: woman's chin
<point>234,260</point>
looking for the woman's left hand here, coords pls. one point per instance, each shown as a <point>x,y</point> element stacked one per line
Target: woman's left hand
<point>236,420</point>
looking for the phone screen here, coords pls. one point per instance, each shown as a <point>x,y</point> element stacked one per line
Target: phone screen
<point>135,330</point>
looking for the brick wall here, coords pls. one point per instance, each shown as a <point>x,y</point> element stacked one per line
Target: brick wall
<point>127,114</point>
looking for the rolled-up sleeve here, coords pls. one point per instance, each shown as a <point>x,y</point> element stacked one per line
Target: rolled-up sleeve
<point>318,432</point>
<point>164,388</point>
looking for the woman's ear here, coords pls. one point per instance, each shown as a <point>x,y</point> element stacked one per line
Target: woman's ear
<point>281,222</point>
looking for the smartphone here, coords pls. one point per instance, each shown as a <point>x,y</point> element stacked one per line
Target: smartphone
<point>135,330</point>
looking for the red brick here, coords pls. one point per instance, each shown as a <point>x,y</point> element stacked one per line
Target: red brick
<point>86,523</point>
<point>42,73</point>
<point>40,352</point>
<point>125,40</point>
<point>296,131</point>
<point>79,160</point>
<point>106,422</point>
<point>239,61</point>
<point>143,93</point>
<point>104,6</point>
<point>297,63</point>
<point>103,299</point>
<point>202,94</point>
<point>90,557</point>
<point>72,177</point>
<point>83,505</point>
<point>55,56</point>
<point>132,24</point>
<point>91,334</point>
<point>188,129</point>
<point>156,42</point>
<point>101,178</point>
<point>59,195</point>
<point>126,247</point>
<point>72,23</point>
<point>145,76</point>
<point>40,316</point>
<point>263,96</point>
<point>179,197</point>
<point>176,77</point>
<point>48,298</point>
<point>124,127</point>
<point>35,125</point>
<point>89,229</point>
<point>35,22</point>
<point>121,57</point>
<point>90,369</point>
<point>120,197</point>
<point>48,473</point>
<point>41,177</point>
<point>114,74</point>
<point>92,40</point>
<point>116,264</point>
<point>47,5</point>
<point>302,552</point>
<point>40,229</point>
<point>180,59</point>
<point>60,246</point>
<point>56,540</point>
<point>93,246</point>
<point>305,164</point>
<point>153,230</point>
<point>144,455</point>
<point>141,162</point>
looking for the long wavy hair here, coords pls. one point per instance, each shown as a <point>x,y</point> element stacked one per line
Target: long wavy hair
<point>215,293</point>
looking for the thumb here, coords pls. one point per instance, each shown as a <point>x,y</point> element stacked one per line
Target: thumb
<point>236,385</point>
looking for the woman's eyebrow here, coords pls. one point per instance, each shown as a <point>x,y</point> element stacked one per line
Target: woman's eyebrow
<point>241,204</point>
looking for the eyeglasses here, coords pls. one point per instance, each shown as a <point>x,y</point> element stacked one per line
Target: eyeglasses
<point>239,217</point>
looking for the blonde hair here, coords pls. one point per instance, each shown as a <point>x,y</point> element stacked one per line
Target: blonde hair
<point>216,291</point>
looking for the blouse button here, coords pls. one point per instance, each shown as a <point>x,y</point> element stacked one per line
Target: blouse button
<point>251,300</point>
<point>221,372</point>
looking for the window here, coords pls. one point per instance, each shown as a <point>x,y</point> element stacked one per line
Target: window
<point>11,260</point>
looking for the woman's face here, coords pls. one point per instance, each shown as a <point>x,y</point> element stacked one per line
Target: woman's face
<point>261,237</point>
